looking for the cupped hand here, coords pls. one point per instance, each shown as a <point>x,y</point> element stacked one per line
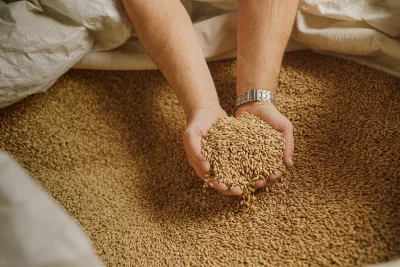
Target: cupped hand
<point>270,114</point>
<point>199,122</point>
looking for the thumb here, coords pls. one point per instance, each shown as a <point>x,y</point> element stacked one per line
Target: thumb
<point>286,128</point>
<point>192,141</point>
<point>279,122</point>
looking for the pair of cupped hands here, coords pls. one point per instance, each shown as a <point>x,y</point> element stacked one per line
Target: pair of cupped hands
<point>200,121</point>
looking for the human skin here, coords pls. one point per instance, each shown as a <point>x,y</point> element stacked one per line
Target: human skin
<point>167,33</point>
<point>264,27</point>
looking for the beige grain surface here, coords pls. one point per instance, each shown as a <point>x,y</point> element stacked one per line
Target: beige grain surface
<point>107,145</point>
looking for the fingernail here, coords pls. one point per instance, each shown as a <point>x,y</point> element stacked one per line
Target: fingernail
<point>290,160</point>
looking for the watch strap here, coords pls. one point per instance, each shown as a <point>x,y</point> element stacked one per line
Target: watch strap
<point>255,95</point>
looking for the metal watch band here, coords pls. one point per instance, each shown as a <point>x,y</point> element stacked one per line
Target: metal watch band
<point>254,95</point>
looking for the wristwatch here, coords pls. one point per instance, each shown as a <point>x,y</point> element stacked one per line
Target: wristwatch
<point>255,95</point>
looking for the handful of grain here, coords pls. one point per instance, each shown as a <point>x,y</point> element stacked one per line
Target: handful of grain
<point>242,150</point>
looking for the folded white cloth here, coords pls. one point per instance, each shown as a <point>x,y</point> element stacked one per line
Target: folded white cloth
<point>366,32</point>
<point>42,39</point>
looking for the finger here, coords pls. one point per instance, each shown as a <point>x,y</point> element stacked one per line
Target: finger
<point>235,191</point>
<point>286,128</point>
<point>271,178</point>
<point>219,186</point>
<point>274,175</point>
<point>283,125</point>
<point>261,183</point>
<point>289,146</point>
<point>192,142</point>
<point>197,169</point>
<point>224,189</point>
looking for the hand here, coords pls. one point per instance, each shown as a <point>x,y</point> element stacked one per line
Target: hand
<point>268,113</point>
<point>199,122</point>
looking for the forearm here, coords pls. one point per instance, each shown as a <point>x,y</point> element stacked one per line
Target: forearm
<point>264,27</point>
<point>167,33</point>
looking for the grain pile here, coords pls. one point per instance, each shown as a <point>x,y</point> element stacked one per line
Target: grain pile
<point>242,151</point>
<point>108,146</point>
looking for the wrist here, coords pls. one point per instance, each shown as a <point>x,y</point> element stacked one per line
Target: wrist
<point>248,81</point>
<point>247,86</point>
<point>217,110</point>
<point>254,97</point>
<point>202,95</point>
<point>248,107</point>
<point>197,101</point>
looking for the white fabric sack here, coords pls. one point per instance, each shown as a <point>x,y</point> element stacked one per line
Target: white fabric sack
<point>366,32</point>
<point>41,40</point>
<point>34,230</point>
